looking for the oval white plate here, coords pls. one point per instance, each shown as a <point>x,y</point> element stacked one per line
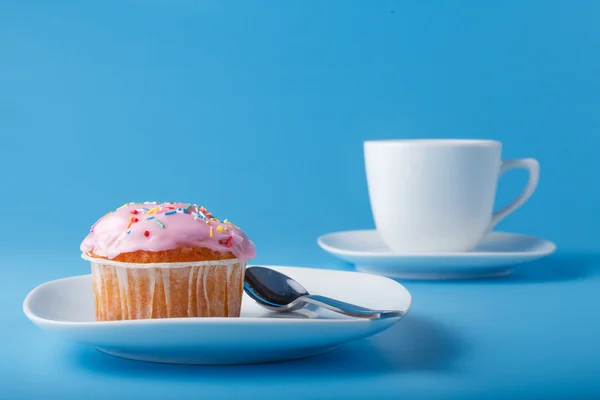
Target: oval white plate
<point>497,253</point>
<point>66,307</point>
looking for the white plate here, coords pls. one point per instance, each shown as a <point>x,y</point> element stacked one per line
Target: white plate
<point>496,255</point>
<point>66,307</point>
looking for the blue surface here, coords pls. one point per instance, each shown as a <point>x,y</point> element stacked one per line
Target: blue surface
<point>258,110</point>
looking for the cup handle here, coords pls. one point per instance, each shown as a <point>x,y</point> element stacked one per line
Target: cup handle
<point>533,166</point>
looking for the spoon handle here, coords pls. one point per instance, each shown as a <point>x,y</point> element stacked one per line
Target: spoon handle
<point>347,308</point>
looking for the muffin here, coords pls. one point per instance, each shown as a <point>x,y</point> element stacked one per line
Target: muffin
<point>166,260</point>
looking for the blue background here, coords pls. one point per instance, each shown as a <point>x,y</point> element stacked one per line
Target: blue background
<point>258,110</point>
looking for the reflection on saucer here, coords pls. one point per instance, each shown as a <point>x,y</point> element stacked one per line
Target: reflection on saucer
<point>298,314</point>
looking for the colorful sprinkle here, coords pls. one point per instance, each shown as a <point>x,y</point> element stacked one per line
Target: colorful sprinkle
<point>134,211</point>
<point>149,218</point>
<point>153,211</point>
<point>159,223</point>
<point>220,228</point>
<point>205,212</point>
<point>146,233</point>
<point>228,244</point>
<point>128,232</point>
<point>171,212</point>
<point>211,233</point>
<point>131,221</point>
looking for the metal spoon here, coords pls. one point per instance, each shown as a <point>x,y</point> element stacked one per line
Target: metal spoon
<point>278,292</point>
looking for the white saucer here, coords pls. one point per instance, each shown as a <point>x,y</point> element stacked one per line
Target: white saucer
<point>66,307</point>
<point>495,256</point>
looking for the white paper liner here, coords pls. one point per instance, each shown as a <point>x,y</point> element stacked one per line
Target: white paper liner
<point>167,290</point>
<point>121,264</point>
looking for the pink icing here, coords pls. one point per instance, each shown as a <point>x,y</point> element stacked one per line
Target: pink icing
<point>159,228</point>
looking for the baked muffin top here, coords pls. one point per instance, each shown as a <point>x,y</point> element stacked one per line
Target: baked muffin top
<point>155,227</point>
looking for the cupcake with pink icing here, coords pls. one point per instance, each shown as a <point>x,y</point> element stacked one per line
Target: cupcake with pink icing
<point>166,260</point>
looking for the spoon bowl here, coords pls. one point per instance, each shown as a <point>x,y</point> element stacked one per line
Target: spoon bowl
<point>272,289</point>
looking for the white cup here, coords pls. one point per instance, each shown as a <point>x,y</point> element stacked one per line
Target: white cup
<point>433,196</point>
